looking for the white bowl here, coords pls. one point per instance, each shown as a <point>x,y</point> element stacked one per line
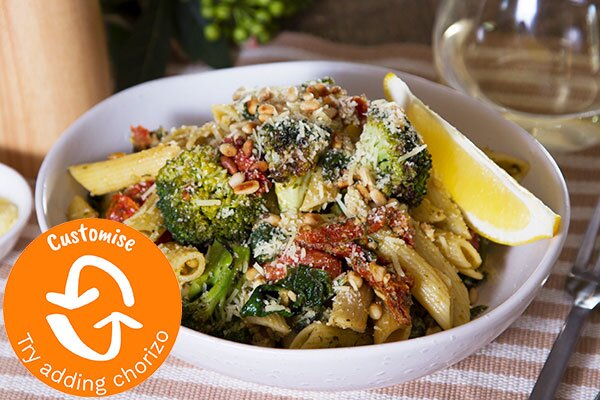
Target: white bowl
<point>15,189</point>
<point>186,100</point>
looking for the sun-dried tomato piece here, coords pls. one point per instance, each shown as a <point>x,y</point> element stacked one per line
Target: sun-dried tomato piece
<point>301,256</point>
<point>274,270</point>
<point>256,175</point>
<point>136,192</point>
<point>395,218</point>
<point>140,137</point>
<point>244,162</point>
<point>166,237</point>
<point>336,232</point>
<point>362,106</point>
<point>337,239</point>
<point>121,207</point>
<point>475,240</point>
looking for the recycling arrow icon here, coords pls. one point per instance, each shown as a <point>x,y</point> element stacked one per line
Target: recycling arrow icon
<point>61,325</point>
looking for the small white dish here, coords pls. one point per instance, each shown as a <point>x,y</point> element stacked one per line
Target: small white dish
<point>520,271</point>
<point>15,189</point>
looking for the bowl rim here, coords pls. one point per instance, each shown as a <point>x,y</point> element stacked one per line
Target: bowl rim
<point>501,312</point>
<point>24,207</point>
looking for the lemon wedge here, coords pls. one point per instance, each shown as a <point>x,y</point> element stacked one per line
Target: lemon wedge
<point>493,203</point>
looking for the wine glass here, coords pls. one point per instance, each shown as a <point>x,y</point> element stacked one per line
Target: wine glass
<point>537,61</point>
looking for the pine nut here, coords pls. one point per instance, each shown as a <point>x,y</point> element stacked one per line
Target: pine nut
<point>378,272</point>
<point>247,147</point>
<point>321,89</point>
<point>264,117</point>
<point>307,96</point>
<point>292,94</point>
<point>249,128</point>
<point>310,105</point>
<point>343,184</point>
<point>261,165</point>
<point>252,274</point>
<point>229,164</point>
<point>264,94</point>
<point>237,179</point>
<point>247,187</point>
<point>292,295</point>
<point>267,109</point>
<point>252,105</point>
<point>228,150</point>
<point>375,311</point>
<point>273,219</point>
<point>378,197</point>
<point>363,191</point>
<point>355,280</point>
<point>284,298</point>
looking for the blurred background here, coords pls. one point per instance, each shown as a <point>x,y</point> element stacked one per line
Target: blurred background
<point>536,61</point>
<point>58,60</point>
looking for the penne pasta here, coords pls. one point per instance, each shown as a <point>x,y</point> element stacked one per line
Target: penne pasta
<point>187,262</point>
<point>321,336</point>
<point>429,288</point>
<point>112,175</point>
<point>460,297</point>
<point>148,219</point>
<point>79,208</point>
<point>350,308</point>
<point>427,212</point>
<point>386,329</point>
<point>224,115</point>
<point>439,197</point>
<point>459,251</point>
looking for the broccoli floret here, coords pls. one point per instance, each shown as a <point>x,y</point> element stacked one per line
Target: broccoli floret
<point>197,202</point>
<point>395,152</point>
<point>267,242</point>
<point>291,147</point>
<point>333,163</point>
<point>205,302</point>
<point>215,282</point>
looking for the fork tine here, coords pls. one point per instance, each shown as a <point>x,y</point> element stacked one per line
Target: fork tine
<point>587,245</point>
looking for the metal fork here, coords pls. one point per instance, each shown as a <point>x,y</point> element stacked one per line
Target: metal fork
<point>583,284</point>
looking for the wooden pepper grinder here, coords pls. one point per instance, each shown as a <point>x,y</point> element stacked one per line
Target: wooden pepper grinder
<point>53,67</point>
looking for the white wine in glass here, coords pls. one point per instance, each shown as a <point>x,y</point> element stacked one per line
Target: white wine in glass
<point>537,61</point>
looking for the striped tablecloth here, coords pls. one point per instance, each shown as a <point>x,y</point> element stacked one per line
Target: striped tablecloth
<point>505,369</point>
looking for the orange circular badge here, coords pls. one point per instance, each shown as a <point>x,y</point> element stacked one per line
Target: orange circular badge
<point>92,307</point>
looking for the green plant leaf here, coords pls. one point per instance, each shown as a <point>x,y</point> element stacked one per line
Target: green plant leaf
<point>189,32</point>
<point>145,54</point>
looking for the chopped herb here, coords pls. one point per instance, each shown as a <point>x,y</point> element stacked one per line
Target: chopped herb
<point>311,287</point>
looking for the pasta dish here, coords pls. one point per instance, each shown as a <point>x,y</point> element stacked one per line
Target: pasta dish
<point>300,217</point>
